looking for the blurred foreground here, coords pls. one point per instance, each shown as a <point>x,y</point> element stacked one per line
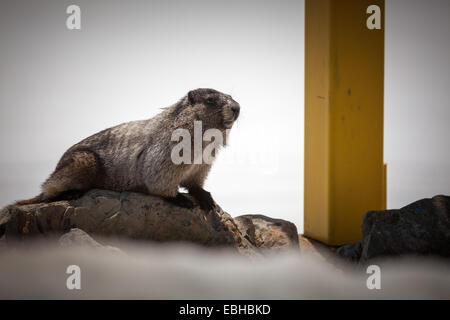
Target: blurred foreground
<point>143,271</point>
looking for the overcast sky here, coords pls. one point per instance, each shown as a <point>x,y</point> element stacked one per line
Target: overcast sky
<point>417,100</point>
<point>133,57</point>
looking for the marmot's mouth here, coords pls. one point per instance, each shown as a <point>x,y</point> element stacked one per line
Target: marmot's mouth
<point>230,115</point>
<point>228,124</point>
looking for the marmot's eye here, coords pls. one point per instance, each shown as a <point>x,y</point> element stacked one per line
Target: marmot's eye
<point>210,100</point>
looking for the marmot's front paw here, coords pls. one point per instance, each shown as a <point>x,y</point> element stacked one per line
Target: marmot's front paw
<point>181,201</point>
<point>207,203</point>
<point>204,198</point>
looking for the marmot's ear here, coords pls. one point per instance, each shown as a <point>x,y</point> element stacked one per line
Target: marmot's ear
<point>191,97</point>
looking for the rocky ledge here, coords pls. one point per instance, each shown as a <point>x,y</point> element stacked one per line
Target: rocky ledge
<point>136,216</point>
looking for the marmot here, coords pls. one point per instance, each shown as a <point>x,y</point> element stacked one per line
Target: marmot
<point>136,156</point>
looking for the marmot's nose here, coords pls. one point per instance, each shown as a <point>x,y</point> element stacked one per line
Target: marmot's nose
<point>235,108</point>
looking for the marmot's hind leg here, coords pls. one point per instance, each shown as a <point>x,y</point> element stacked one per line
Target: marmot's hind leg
<point>75,173</point>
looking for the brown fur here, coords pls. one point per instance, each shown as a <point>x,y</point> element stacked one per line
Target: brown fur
<point>135,156</point>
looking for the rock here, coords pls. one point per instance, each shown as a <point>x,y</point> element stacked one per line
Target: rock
<point>129,215</point>
<point>317,249</point>
<point>268,233</point>
<point>120,215</point>
<point>78,238</point>
<point>351,252</point>
<point>421,228</point>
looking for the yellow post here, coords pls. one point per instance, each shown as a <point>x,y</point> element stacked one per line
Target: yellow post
<point>344,83</point>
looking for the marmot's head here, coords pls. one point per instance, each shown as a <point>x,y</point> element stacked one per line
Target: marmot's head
<point>213,108</point>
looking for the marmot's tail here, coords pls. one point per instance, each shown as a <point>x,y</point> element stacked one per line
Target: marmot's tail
<point>34,200</point>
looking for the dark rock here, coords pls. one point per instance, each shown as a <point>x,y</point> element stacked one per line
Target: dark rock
<point>421,228</point>
<point>351,252</point>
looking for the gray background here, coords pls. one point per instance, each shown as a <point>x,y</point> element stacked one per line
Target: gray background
<point>417,95</point>
<point>133,57</point>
